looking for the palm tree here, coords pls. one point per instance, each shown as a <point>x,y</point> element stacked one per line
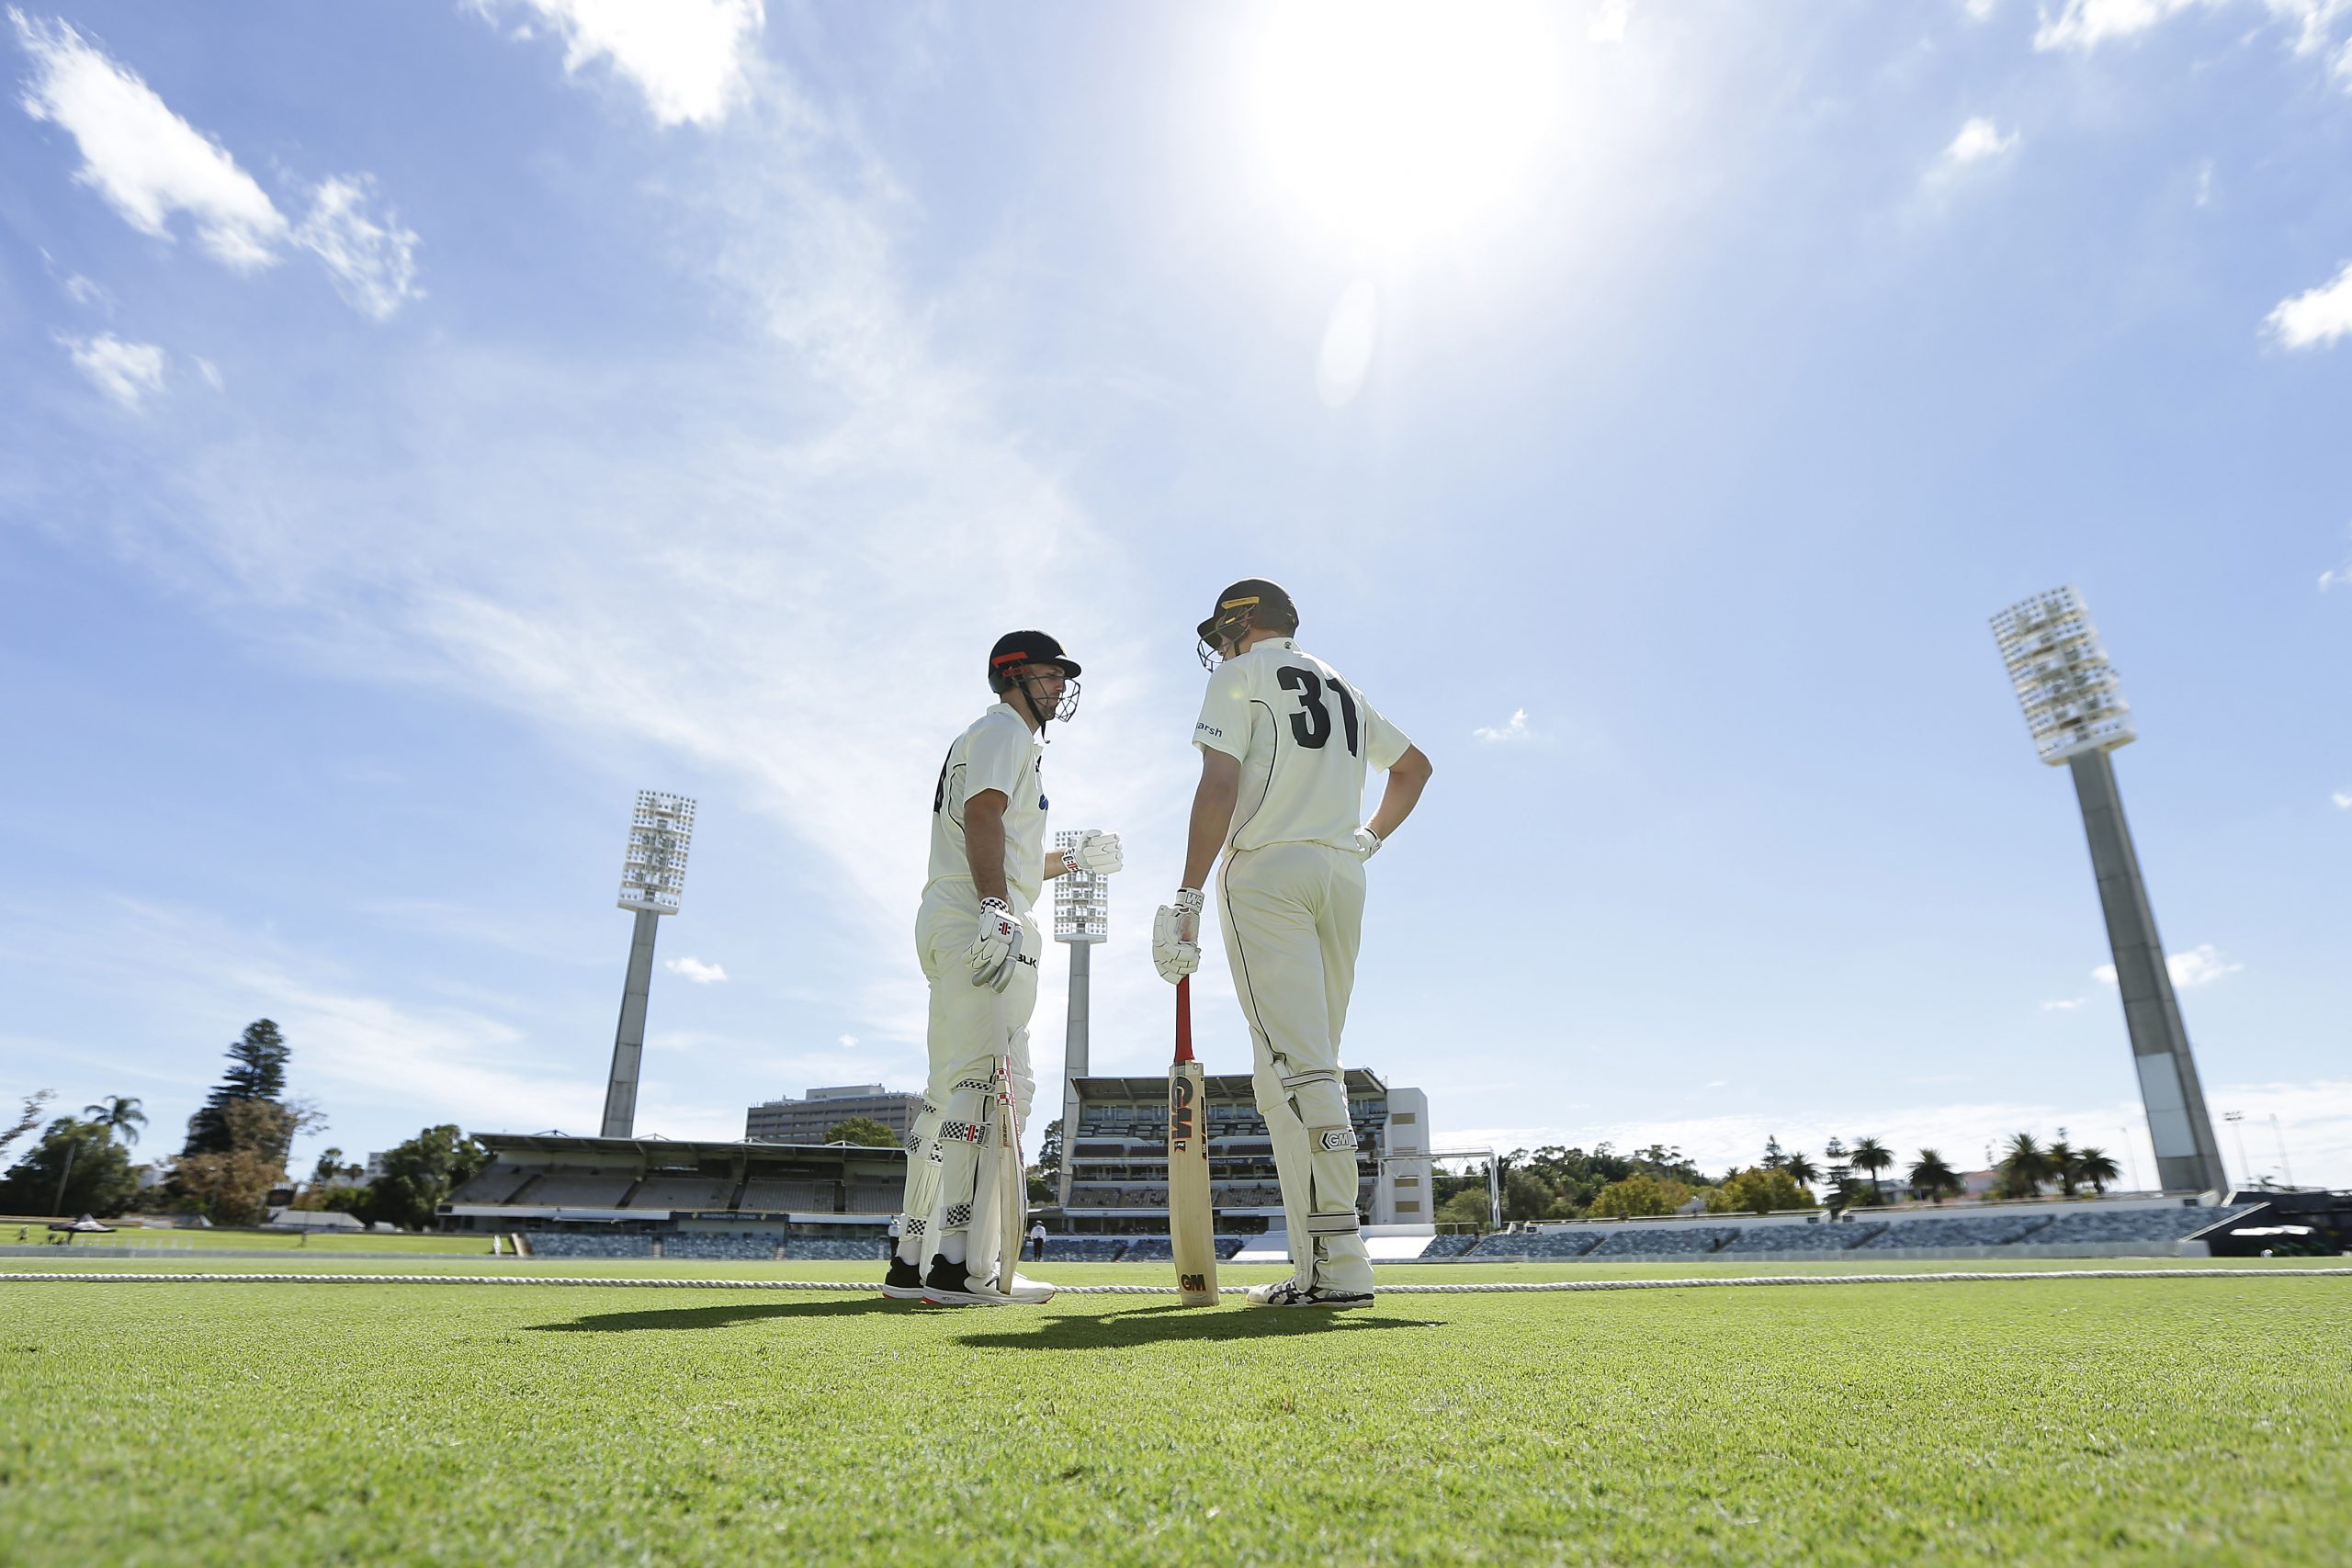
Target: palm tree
<point>1931,1178</point>
<point>118,1114</point>
<point>1800,1170</point>
<point>2064,1166</point>
<point>2024,1167</point>
<point>2094,1167</point>
<point>1874,1157</point>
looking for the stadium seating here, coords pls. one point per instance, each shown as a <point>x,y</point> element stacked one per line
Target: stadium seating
<point>494,1183</point>
<point>565,1243</point>
<point>2159,1225</point>
<point>1450,1246</point>
<point>1801,1238</point>
<point>1959,1230</point>
<point>784,1195</point>
<point>1662,1241</point>
<point>1149,1249</point>
<point>1533,1243</point>
<point>727,1249</point>
<point>834,1248</point>
<point>580,1189</point>
<point>682,1192</point>
<point>875,1194</point>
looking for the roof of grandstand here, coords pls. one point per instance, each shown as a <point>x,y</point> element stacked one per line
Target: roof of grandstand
<point>682,1150</point>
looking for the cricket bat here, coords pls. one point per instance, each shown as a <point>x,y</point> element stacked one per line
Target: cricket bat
<point>1192,1224</point>
<point>1012,1171</point>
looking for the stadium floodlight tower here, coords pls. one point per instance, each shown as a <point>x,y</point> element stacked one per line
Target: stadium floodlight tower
<point>1082,919</point>
<point>2074,706</point>
<point>653,879</point>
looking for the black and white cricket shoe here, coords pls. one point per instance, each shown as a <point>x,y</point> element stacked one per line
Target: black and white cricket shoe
<point>903,1283</point>
<point>1289,1293</point>
<point>948,1285</point>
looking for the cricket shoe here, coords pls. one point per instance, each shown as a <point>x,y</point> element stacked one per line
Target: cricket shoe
<point>948,1285</point>
<point>903,1283</point>
<point>1290,1293</point>
<point>1030,1293</point>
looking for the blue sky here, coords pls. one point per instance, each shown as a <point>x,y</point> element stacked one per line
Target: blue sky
<point>426,426</point>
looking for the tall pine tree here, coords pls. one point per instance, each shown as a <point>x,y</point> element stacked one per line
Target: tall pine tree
<point>257,1071</point>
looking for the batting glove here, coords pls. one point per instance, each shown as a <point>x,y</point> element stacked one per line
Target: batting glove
<point>997,948</point>
<point>1176,936</point>
<point>1367,842</point>
<point>1097,853</point>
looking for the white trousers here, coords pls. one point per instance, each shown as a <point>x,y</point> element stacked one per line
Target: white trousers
<point>964,1037</point>
<point>1294,919</point>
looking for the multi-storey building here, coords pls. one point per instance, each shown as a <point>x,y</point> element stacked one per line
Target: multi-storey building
<point>789,1120</point>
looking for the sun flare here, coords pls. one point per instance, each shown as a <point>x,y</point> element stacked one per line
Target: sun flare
<point>1391,121</point>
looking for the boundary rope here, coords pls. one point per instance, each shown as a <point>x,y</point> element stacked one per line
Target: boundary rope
<point>868,1288</point>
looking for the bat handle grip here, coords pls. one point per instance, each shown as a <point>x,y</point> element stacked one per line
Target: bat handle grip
<point>1185,1019</point>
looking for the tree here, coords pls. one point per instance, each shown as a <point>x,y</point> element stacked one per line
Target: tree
<point>1049,1147</point>
<point>863,1131</point>
<point>1467,1207</point>
<point>2093,1166</point>
<point>1839,1168</point>
<point>1757,1190</point>
<point>119,1115</point>
<point>2065,1165</point>
<point>1527,1196</point>
<point>76,1168</point>
<point>1932,1178</point>
<point>231,1185</point>
<point>1800,1170</point>
<point>420,1174</point>
<point>258,1072</point>
<point>331,1172</point>
<point>2023,1168</point>
<point>1872,1157</point>
<point>27,1119</point>
<point>1773,1158</point>
<point>1640,1194</point>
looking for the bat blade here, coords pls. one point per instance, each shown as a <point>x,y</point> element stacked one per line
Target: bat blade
<point>1191,1219</point>
<point>1012,1179</point>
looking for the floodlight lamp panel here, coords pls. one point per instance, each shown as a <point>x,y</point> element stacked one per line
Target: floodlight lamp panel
<point>653,869</point>
<point>1082,898</point>
<point>2071,698</point>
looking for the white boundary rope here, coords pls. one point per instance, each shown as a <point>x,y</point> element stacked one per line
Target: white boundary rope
<point>861,1287</point>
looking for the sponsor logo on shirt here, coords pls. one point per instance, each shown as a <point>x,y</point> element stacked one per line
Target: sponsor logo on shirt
<point>1208,729</point>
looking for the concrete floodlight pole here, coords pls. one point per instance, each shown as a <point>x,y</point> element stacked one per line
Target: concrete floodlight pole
<point>653,879</point>
<point>1082,919</point>
<point>2074,706</point>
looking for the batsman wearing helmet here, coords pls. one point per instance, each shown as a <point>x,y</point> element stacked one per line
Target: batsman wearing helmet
<point>1285,741</point>
<point>979,949</point>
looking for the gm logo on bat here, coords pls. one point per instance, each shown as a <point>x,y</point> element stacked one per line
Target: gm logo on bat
<point>1191,1282</point>
<point>1180,1111</point>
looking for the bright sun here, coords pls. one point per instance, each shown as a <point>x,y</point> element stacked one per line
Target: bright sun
<point>1392,121</point>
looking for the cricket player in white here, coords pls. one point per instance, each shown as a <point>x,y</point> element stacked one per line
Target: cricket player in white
<point>979,949</point>
<point>1284,742</point>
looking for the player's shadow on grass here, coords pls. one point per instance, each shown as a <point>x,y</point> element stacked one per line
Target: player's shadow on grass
<point>715,1317</point>
<point>1147,1325</point>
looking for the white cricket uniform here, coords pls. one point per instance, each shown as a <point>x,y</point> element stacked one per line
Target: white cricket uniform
<point>1290,896</point>
<point>967,1030</point>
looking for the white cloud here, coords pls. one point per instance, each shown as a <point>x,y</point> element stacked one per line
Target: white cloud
<point>2319,315</point>
<point>1979,140</point>
<point>1979,10</point>
<point>2337,577</point>
<point>695,969</point>
<point>2067,1005</point>
<point>687,56</point>
<point>2200,966</point>
<point>152,166</point>
<point>2086,24</point>
<point>127,372</point>
<point>209,371</point>
<point>371,258</point>
<point>87,294</point>
<point>1514,730</point>
<point>1608,21</point>
<point>147,162</point>
<point>1349,339</point>
<point>849,1042</point>
<point>2342,798</point>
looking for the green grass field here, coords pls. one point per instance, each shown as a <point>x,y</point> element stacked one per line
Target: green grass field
<point>2057,1421</point>
<point>38,1234</point>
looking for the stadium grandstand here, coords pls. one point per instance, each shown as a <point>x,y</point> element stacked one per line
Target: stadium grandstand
<point>652,1198</point>
<point>1115,1165</point>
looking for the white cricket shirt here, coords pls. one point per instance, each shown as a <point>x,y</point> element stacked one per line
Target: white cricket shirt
<point>1304,737</point>
<point>999,753</point>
